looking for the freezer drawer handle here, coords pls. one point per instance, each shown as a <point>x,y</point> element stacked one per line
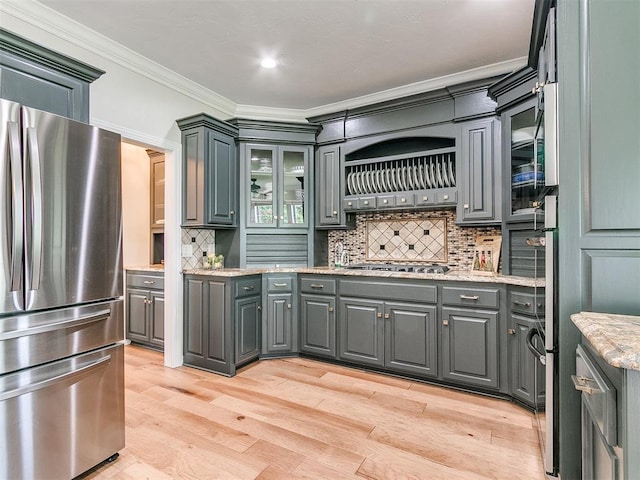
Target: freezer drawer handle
<point>69,377</point>
<point>585,384</point>
<point>74,322</point>
<point>17,242</point>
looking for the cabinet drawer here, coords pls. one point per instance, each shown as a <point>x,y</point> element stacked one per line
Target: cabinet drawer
<point>248,286</point>
<point>471,297</point>
<point>350,203</point>
<point>426,198</point>
<point>318,285</point>
<point>526,303</point>
<point>280,284</point>
<point>145,281</point>
<point>386,201</point>
<point>405,200</point>
<point>411,292</point>
<point>366,203</point>
<point>598,394</point>
<point>447,197</point>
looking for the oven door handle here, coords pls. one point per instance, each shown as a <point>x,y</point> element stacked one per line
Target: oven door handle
<point>540,355</point>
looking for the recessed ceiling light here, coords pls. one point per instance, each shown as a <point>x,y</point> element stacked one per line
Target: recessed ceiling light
<point>269,63</point>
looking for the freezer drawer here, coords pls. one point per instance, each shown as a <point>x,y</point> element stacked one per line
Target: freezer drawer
<point>32,339</point>
<point>60,419</point>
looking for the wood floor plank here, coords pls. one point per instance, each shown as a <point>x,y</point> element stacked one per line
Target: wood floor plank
<point>296,418</point>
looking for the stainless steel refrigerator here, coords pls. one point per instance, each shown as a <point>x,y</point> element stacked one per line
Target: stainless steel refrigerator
<point>61,307</point>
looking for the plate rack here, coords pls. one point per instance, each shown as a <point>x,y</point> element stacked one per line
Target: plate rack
<point>423,171</point>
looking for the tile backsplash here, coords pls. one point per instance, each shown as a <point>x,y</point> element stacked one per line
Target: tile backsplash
<point>201,240</point>
<point>415,240</point>
<point>458,242</point>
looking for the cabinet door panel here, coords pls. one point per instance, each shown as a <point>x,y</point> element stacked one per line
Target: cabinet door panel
<point>221,175</point>
<point>193,177</point>
<point>279,322</point>
<point>470,346</point>
<point>329,187</point>
<point>361,331</point>
<point>194,307</point>
<point>157,317</point>
<point>138,327</point>
<point>247,330</point>
<point>526,374</point>
<point>217,325</point>
<point>410,338</point>
<point>318,322</point>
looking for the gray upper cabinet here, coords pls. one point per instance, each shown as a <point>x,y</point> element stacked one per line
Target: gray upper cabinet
<point>329,188</point>
<point>209,172</point>
<point>481,173</point>
<point>41,78</point>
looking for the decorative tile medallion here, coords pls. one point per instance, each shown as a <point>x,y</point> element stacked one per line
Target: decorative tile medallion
<point>415,240</point>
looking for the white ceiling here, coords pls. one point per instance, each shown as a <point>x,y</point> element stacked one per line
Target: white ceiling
<point>330,51</point>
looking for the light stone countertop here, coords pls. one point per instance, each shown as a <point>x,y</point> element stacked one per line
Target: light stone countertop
<point>453,275</point>
<point>145,268</point>
<point>615,337</point>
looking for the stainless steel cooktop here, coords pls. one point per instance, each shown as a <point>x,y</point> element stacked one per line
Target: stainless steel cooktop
<point>387,267</point>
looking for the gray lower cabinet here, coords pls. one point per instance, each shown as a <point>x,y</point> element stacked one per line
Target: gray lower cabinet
<point>222,319</point>
<point>145,309</point>
<point>397,336</point>
<point>470,342</point>
<point>526,373</point>
<point>280,319</point>
<point>318,316</point>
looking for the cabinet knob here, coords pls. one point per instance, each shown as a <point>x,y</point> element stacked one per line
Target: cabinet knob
<point>335,213</point>
<point>511,331</point>
<point>289,306</point>
<point>366,202</point>
<point>281,217</point>
<point>403,200</point>
<point>425,198</point>
<point>379,315</point>
<point>386,315</point>
<point>445,197</point>
<point>232,212</point>
<point>259,307</point>
<point>445,323</point>
<point>466,206</point>
<point>385,201</point>
<point>350,203</point>
<point>330,309</point>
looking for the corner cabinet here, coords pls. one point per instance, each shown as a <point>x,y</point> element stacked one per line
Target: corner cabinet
<point>145,308</point>
<point>481,191</point>
<point>209,173</point>
<point>222,319</point>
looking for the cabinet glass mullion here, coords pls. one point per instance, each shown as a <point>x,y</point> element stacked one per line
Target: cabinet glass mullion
<point>263,189</point>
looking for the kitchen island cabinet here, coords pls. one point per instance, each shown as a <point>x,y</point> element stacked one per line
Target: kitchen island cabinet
<point>608,379</point>
<point>222,318</point>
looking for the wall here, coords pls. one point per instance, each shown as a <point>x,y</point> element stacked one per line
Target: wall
<point>460,240</point>
<point>135,206</point>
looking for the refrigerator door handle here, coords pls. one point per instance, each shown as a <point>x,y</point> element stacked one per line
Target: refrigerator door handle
<point>17,188</point>
<point>36,206</point>
<point>67,377</point>
<point>49,327</point>
<point>540,355</point>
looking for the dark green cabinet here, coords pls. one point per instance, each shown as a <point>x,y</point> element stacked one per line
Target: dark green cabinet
<point>222,319</point>
<point>209,172</point>
<point>279,320</point>
<point>145,309</point>
<point>481,201</point>
<point>41,78</point>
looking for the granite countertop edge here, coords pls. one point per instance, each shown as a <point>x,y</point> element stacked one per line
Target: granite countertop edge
<point>456,276</point>
<point>615,337</point>
<point>145,268</point>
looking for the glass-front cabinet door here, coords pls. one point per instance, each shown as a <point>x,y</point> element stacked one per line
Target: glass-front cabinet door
<point>526,174</point>
<point>277,177</point>
<point>263,178</point>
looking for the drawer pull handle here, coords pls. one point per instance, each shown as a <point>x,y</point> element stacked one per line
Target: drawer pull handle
<point>279,284</point>
<point>522,304</point>
<point>585,384</point>
<point>249,287</point>
<point>148,282</point>
<point>475,298</point>
<point>316,285</point>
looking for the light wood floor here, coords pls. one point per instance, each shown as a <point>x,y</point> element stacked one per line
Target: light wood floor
<point>297,418</point>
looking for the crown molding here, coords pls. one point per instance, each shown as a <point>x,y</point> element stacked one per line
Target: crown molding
<point>49,20</point>
<point>44,18</point>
